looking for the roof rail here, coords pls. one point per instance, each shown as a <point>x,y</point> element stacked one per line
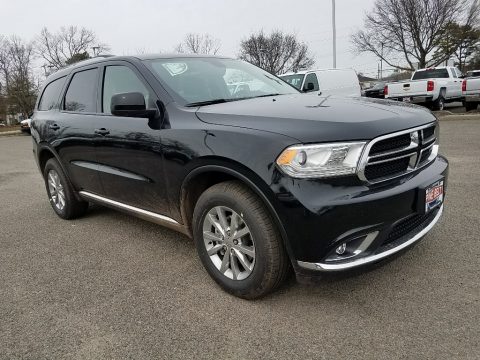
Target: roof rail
<point>101,56</point>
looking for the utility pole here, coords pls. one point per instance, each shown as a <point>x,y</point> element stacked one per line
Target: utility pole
<point>334,36</point>
<point>381,64</point>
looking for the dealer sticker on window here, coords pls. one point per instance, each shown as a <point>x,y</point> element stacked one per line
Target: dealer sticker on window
<point>434,196</point>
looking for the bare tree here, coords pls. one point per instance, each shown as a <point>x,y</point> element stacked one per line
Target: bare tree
<point>69,43</point>
<point>19,84</point>
<point>276,53</point>
<point>460,42</point>
<point>412,29</point>
<point>5,61</point>
<point>198,44</point>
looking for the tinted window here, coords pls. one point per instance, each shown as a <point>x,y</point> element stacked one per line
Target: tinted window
<point>51,94</point>
<point>311,78</point>
<point>473,73</point>
<point>81,94</point>
<point>431,74</point>
<point>119,80</point>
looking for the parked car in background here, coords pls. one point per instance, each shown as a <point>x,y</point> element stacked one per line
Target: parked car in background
<point>472,73</point>
<point>432,87</point>
<point>341,82</point>
<point>471,93</point>
<point>262,183</point>
<point>376,91</point>
<point>25,125</point>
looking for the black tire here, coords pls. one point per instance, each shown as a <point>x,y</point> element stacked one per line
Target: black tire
<point>470,106</point>
<point>271,265</point>
<point>439,104</point>
<point>72,208</point>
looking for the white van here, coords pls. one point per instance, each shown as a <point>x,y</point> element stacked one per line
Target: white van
<point>341,82</point>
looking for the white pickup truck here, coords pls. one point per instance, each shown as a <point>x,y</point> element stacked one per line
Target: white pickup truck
<point>471,93</point>
<point>432,87</point>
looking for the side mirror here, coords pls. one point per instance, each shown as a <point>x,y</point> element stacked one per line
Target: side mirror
<point>130,105</point>
<point>308,87</point>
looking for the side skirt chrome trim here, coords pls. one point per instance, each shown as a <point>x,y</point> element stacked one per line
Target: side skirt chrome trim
<point>372,258</point>
<point>143,214</point>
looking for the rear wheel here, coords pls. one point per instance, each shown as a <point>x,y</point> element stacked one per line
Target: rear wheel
<point>470,106</point>
<point>439,104</point>
<point>60,192</point>
<point>238,242</point>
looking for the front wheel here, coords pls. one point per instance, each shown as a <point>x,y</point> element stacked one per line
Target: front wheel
<point>238,242</point>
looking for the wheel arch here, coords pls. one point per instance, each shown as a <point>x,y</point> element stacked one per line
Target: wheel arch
<point>205,176</point>
<point>46,153</point>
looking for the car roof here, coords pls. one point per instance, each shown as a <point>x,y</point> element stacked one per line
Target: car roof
<point>98,59</point>
<point>303,72</point>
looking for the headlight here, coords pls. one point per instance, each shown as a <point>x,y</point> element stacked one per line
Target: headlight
<point>322,160</point>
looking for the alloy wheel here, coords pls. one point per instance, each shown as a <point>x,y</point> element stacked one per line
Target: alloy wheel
<point>229,243</point>
<point>56,190</point>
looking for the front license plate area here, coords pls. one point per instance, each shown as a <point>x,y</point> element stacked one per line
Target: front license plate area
<point>434,196</point>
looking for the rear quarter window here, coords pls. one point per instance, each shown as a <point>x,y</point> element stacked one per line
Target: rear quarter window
<point>51,95</point>
<point>431,74</point>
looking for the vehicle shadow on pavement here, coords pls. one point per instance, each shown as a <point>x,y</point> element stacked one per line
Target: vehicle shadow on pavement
<point>322,285</point>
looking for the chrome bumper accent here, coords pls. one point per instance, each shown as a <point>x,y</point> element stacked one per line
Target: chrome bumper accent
<point>372,258</point>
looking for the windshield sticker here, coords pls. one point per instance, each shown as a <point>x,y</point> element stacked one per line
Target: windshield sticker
<point>175,68</point>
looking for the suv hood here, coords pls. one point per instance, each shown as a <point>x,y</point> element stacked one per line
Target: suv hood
<point>316,118</point>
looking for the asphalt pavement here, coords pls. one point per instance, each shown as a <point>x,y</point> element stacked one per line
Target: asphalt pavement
<point>111,286</point>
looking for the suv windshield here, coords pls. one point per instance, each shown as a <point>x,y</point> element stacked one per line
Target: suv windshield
<point>295,80</point>
<point>200,81</point>
<point>431,74</point>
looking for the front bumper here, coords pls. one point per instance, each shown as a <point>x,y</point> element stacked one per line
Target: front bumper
<point>385,218</point>
<point>380,254</point>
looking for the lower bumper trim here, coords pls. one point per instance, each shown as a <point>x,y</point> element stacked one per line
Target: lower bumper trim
<point>371,258</point>
<point>472,98</point>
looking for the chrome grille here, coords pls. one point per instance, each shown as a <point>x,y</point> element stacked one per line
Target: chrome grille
<point>397,154</point>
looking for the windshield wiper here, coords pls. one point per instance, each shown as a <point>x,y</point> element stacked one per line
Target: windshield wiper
<point>207,102</point>
<point>266,95</point>
<point>219,101</point>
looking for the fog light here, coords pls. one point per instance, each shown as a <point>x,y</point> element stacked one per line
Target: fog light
<point>341,249</point>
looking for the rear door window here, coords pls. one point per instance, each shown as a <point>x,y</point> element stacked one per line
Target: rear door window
<point>82,92</point>
<point>51,95</point>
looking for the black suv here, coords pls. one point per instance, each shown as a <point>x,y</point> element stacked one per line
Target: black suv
<point>263,178</point>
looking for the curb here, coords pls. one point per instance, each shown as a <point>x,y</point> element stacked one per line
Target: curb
<point>459,117</point>
<point>10,133</point>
